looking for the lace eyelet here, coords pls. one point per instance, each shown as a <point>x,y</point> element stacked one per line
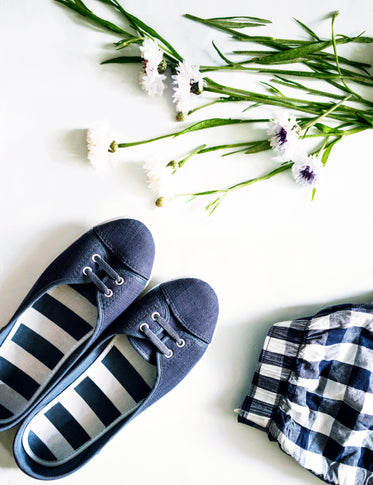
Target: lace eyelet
<point>109,294</point>
<point>169,355</point>
<point>94,257</point>
<point>84,270</point>
<point>181,343</point>
<point>155,315</point>
<point>143,326</point>
<point>119,281</point>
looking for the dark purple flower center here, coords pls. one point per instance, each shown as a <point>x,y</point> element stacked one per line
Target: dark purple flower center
<point>282,135</point>
<point>307,174</point>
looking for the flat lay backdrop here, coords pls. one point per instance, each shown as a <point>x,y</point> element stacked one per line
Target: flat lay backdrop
<point>269,252</point>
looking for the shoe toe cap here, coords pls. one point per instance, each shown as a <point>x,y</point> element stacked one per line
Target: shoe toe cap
<point>131,241</point>
<point>194,304</point>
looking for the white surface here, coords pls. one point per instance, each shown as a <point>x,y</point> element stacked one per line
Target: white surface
<point>268,251</point>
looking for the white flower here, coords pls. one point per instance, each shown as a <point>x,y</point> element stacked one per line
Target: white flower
<point>284,130</point>
<point>159,178</point>
<point>150,79</point>
<point>152,82</point>
<point>306,170</point>
<point>188,82</point>
<point>98,142</point>
<point>151,53</point>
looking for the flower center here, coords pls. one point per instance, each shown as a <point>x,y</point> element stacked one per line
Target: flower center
<point>282,135</point>
<point>308,174</point>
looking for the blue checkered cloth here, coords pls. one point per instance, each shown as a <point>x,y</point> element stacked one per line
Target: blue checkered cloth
<point>312,391</point>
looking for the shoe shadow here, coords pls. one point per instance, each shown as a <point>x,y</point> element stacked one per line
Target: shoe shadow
<point>6,444</point>
<point>31,264</point>
<point>247,340</point>
<point>13,289</point>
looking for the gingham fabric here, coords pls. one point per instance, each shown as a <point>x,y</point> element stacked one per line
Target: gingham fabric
<point>313,392</point>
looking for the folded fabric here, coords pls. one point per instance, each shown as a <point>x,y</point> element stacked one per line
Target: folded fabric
<point>312,391</point>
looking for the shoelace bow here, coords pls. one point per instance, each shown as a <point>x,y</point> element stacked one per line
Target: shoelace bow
<point>168,328</point>
<point>91,275</point>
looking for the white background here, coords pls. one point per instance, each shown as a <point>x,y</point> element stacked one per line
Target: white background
<point>268,251</point>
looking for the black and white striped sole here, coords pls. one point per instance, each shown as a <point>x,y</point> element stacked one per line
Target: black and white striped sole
<point>44,336</point>
<point>112,387</point>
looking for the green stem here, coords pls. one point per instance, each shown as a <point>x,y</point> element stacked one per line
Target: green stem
<point>336,133</point>
<point>200,125</point>
<point>325,113</point>
<point>184,160</point>
<point>240,185</point>
<point>283,101</point>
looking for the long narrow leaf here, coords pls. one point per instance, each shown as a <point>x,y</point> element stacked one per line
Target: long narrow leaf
<point>123,60</point>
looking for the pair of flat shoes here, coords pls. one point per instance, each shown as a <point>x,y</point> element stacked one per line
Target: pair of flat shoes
<point>80,360</point>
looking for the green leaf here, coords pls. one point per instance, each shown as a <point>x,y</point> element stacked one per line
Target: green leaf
<point>259,147</point>
<point>221,55</point>
<point>328,150</point>
<point>80,8</point>
<point>241,19</point>
<point>144,28</point>
<point>307,29</point>
<point>325,129</point>
<point>123,60</point>
<point>211,123</point>
<point>293,54</point>
<point>271,88</point>
<point>122,44</point>
<point>234,24</point>
<point>365,118</point>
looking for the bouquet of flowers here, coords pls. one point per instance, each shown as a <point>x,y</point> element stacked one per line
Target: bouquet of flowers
<point>326,114</point>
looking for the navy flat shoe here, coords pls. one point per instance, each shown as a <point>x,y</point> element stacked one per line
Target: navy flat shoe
<point>70,305</point>
<point>141,357</point>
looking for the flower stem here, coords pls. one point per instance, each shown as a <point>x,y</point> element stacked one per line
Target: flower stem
<point>240,185</point>
<point>325,113</point>
<point>200,125</point>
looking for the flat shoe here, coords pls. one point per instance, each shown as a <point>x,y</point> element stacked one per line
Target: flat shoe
<point>70,305</point>
<point>142,356</point>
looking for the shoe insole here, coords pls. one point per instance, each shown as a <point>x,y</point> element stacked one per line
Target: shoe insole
<point>110,389</point>
<point>43,337</point>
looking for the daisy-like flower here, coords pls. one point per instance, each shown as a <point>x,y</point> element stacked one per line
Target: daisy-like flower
<point>283,130</point>
<point>306,170</point>
<point>98,141</point>
<point>151,79</point>
<point>188,83</point>
<point>159,178</point>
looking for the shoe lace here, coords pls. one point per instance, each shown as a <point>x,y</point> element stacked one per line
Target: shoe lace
<point>168,328</point>
<point>105,266</point>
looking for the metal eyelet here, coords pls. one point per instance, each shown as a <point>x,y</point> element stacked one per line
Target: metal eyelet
<point>155,315</point>
<point>143,326</point>
<point>87,268</point>
<point>169,355</point>
<point>119,281</point>
<point>109,294</point>
<point>94,257</point>
<point>181,343</point>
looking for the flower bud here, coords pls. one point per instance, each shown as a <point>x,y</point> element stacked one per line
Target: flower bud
<point>113,146</point>
<point>180,116</point>
<point>160,202</point>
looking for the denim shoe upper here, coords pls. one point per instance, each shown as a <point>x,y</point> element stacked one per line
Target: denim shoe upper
<point>170,327</point>
<point>75,299</point>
